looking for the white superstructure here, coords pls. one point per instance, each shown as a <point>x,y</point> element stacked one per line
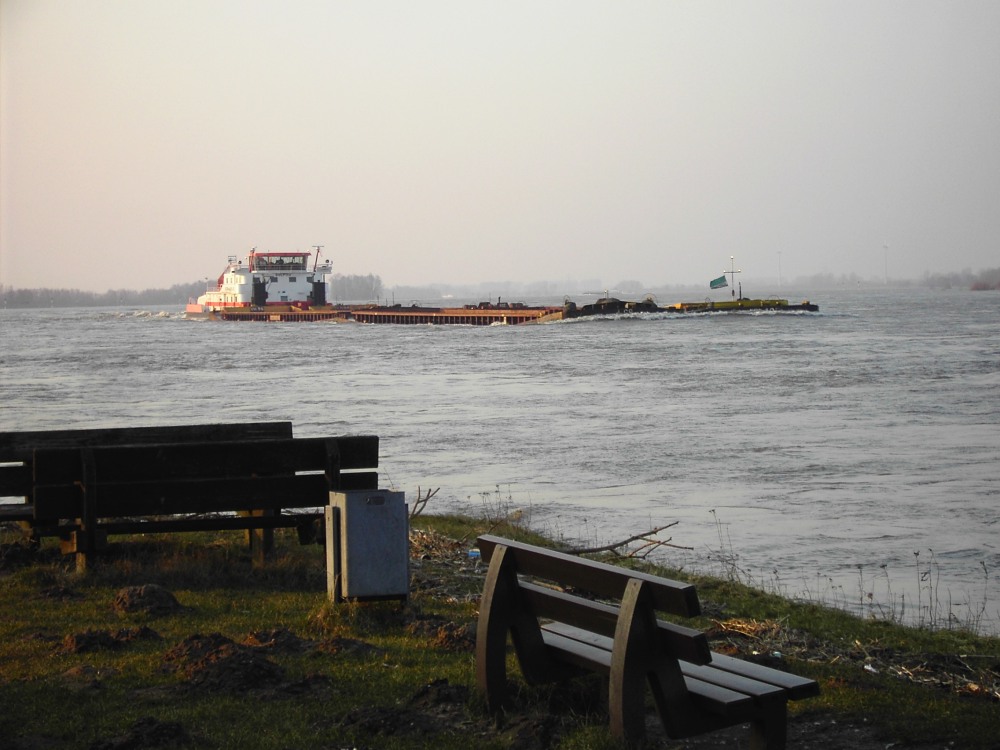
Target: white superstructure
<point>263,279</point>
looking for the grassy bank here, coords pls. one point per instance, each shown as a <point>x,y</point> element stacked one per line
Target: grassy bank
<point>260,659</point>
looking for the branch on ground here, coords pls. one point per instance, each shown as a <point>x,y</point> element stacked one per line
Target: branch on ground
<point>647,546</point>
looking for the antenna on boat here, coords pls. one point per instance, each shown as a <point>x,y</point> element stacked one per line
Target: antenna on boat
<point>316,262</point>
<point>733,270</point>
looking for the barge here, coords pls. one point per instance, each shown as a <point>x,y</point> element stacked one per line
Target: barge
<point>474,315</point>
<point>280,287</point>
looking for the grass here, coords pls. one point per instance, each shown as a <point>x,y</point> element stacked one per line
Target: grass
<point>333,696</point>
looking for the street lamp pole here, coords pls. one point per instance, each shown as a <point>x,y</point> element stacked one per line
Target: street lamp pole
<point>733,270</point>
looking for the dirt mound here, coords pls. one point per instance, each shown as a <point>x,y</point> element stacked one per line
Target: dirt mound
<point>280,640</point>
<point>98,640</point>
<point>215,662</point>
<point>89,640</point>
<point>147,733</point>
<point>432,709</point>
<point>438,693</point>
<point>195,647</point>
<point>150,599</point>
<point>390,721</point>
<point>439,707</point>
<point>444,634</point>
<point>537,732</point>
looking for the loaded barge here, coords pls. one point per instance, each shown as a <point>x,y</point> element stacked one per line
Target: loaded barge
<point>484,314</point>
<point>291,287</point>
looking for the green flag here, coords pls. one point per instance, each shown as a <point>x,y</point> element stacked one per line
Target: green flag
<point>719,282</point>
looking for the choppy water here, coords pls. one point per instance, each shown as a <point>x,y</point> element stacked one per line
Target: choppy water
<point>837,454</point>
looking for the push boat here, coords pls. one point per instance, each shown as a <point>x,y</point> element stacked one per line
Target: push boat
<point>284,287</point>
<point>262,281</point>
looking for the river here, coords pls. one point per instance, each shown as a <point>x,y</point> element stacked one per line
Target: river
<point>850,456</point>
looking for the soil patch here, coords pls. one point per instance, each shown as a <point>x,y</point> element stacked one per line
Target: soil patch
<point>214,662</point>
<point>103,640</point>
<point>149,599</point>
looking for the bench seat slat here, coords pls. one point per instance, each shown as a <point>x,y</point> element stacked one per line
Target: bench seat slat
<point>717,699</point>
<point>226,523</point>
<point>185,523</point>
<point>732,681</point>
<point>797,687</point>
<point>10,512</point>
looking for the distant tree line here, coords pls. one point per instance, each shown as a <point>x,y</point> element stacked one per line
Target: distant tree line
<point>977,282</point>
<point>178,294</point>
<point>342,288</point>
<point>355,288</point>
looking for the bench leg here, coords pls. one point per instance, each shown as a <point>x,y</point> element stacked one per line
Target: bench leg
<point>261,541</point>
<point>638,657</point>
<point>83,544</point>
<point>501,610</point>
<point>491,632</point>
<point>770,732</point>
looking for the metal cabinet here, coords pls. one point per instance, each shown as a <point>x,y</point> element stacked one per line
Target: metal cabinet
<point>367,545</point>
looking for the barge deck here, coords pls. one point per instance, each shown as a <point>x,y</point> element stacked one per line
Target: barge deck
<point>396,315</point>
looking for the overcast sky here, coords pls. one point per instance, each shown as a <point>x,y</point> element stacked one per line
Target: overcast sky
<point>142,142</point>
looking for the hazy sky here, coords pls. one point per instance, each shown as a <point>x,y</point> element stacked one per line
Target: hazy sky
<point>142,142</point>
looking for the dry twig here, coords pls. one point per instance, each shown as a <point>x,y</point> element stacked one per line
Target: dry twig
<point>421,502</point>
<point>649,545</point>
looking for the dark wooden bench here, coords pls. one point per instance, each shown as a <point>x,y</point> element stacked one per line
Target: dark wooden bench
<point>545,601</point>
<point>85,493</point>
<point>17,451</point>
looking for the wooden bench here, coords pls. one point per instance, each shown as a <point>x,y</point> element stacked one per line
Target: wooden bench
<point>558,630</point>
<point>85,493</point>
<point>17,451</point>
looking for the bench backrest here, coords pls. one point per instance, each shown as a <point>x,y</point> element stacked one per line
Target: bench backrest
<point>609,581</point>
<point>17,448</point>
<point>216,476</point>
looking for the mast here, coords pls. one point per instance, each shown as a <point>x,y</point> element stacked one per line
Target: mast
<point>733,270</point>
